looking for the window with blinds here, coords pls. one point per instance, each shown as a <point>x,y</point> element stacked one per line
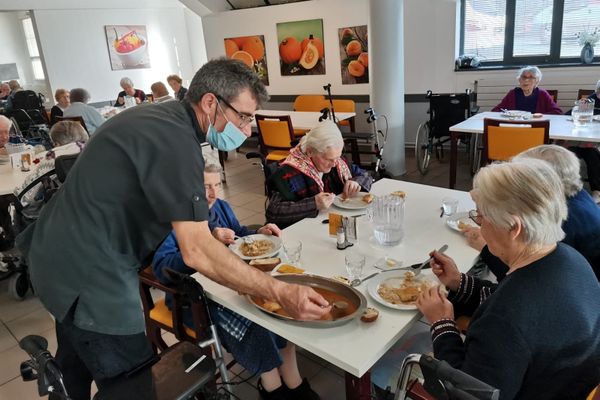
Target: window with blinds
<point>32,48</point>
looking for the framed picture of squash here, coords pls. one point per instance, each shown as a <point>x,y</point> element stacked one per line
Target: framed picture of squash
<point>354,54</point>
<point>301,47</point>
<point>251,51</point>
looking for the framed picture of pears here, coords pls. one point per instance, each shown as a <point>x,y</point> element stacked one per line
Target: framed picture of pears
<point>301,47</point>
<point>354,54</point>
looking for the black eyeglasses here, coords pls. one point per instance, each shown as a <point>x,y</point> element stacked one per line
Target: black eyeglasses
<point>475,217</point>
<point>244,118</point>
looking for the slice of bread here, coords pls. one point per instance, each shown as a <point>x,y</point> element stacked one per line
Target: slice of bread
<point>289,269</point>
<point>265,264</point>
<point>368,198</point>
<point>370,315</point>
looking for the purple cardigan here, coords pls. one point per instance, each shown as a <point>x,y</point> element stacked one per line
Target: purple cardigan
<point>545,104</point>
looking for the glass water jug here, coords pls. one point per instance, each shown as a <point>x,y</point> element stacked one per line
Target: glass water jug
<point>386,214</point>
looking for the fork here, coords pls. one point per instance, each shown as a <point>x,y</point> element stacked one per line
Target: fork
<point>245,239</point>
<point>418,270</point>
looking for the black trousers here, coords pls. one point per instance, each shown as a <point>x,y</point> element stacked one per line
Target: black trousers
<point>591,157</point>
<point>84,356</point>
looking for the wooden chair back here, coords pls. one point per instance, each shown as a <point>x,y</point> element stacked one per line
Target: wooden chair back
<point>503,140</point>
<point>75,119</point>
<point>584,93</point>
<point>554,94</point>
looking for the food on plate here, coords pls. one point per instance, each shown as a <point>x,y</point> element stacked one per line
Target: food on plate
<point>289,269</point>
<point>537,115</point>
<point>256,248</point>
<point>128,42</point>
<point>272,306</point>
<point>399,193</point>
<point>390,262</point>
<point>342,279</point>
<point>368,198</point>
<point>404,290</point>
<point>463,225</point>
<point>265,264</point>
<point>369,315</point>
<point>331,297</point>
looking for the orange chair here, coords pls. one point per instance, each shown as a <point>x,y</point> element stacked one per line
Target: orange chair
<point>309,102</point>
<point>504,139</point>
<point>275,132</point>
<point>346,106</point>
<point>595,395</point>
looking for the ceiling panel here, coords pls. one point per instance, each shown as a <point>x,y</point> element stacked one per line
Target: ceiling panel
<point>239,4</point>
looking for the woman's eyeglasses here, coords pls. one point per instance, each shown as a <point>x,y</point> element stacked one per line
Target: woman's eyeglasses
<point>245,119</point>
<point>475,217</point>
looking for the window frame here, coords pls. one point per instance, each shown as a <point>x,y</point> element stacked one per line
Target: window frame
<point>508,59</point>
<point>33,58</point>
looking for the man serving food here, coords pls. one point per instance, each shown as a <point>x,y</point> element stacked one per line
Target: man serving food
<point>140,177</point>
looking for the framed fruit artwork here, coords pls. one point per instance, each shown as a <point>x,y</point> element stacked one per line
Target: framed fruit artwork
<point>301,47</point>
<point>251,51</point>
<point>127,46</point>
<point>354,54</point>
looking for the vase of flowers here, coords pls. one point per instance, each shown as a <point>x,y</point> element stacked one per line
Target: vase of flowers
<point>588,40</point>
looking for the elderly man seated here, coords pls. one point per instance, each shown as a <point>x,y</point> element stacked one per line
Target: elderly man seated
<point>256,349</point>
<point>79,108</point>
<point>5,126</point>
<point>582,226</point>
<point>160,92</point>
<point>4,91</point>
<point>307,181</point>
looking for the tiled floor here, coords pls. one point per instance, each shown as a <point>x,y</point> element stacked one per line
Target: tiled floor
<point>244,191</point>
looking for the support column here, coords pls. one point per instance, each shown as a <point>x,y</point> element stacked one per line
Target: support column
<point>386,74</point>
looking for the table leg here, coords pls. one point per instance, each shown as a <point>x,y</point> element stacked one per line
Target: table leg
<point>358,388</point>
<point>453,158</point>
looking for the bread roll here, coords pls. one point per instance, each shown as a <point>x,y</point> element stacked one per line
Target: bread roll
<point>370,315</point>
<point>265,264</point>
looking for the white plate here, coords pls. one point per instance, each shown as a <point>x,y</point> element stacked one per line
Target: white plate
<point>353,203</point>
<point>235,247</point>
<point>384,276</point>
<point>463,217</point>
<point>517,114</point>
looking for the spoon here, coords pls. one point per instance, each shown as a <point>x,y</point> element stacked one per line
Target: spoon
<point>417,270</point>
<point>245,239</point>
<point>356,282</point>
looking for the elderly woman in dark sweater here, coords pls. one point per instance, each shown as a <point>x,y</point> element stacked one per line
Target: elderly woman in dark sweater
<point>528,96</point>
<point>307,181</point>
<point>582,226</point>
<point>535,334</point>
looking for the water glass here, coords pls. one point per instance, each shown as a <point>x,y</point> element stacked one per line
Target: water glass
<point>354,265</point>
<point>293,250</point>
<point>583,112</point>
<point>449,205</point>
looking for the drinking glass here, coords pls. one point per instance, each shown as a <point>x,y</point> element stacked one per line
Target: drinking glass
<point>386,213</point>
<point>583,112</point>
<point>354,265</point>
<point>449,205</point>
<point>293,250</point>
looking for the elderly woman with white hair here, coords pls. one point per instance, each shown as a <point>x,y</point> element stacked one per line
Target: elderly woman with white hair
<point>528,96</point>
<point>516,340</point>
<point>129,90</point>
<point>307,181</point>
<point>582,226</point>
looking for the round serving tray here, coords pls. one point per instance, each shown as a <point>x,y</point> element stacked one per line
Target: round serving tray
<point>315,281</point>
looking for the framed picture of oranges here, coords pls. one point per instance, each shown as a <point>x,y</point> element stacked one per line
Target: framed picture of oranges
<point>301,48</point>
<point>354,54</point>
<point>127,46</point>
<point>251,51</point>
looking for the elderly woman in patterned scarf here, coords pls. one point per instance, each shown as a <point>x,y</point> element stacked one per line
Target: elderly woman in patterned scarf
<point>307,181</point>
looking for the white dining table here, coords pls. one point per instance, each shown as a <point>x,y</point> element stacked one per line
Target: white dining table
<point>11,177</point>
<point>561,128</point>
<point>356,346</point>
<point>303,119</point>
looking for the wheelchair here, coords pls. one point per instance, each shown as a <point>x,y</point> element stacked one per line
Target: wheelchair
<point>440,381</point>
<point>445,110</point>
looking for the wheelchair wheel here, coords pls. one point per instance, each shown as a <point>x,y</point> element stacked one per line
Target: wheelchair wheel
<point>423,148</point>
<point>18,286</point>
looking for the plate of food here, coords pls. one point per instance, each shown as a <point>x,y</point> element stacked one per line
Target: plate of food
<point>460,221</point>
<point>256,246</point>
<point>358,201</point>
<point>399,290</point>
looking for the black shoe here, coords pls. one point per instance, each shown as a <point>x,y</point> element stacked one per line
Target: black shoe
<point>281,393</point>
<point>303,392</point>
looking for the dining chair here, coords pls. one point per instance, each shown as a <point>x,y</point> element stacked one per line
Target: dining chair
<point>584,93</point>
<point>504,139</point>
<point>311,103</point>
<point>275,135</point>
<point>553,93</point>
<point>340,105</point>
<point>74,119</point>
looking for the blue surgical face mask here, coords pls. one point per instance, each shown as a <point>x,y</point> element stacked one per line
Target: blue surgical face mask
<point>229,139</point>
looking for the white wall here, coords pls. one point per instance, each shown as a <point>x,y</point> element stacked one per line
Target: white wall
<point>429,25</point>
<point>195,33</point>
<point>14,46</point>
<point>74,47</point>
